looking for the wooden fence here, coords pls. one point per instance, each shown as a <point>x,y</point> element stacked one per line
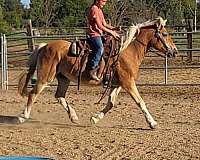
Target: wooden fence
<point>16,48</point>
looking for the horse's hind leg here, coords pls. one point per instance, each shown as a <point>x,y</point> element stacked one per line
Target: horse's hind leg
<point>37,89</point>
<point>111,102</point>
<point>63,84</point>
<point>133,91</point>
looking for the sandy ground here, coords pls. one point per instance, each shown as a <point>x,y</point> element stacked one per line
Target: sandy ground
<point>122,135</point>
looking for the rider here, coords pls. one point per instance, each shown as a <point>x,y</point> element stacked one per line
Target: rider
<point>96,26</point>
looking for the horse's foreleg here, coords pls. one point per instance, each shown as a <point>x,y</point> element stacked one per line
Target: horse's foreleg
<point>63,84</point>
<point>111,102</point>
<point>31,99</point>
<point>71,112</point>
<point>140,102</point>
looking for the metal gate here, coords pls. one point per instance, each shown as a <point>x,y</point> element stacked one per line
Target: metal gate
<point>4,63</point>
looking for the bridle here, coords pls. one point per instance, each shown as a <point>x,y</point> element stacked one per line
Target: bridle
<point>161,38</point>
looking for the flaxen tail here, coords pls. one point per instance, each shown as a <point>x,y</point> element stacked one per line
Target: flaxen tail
<point>25,76</point>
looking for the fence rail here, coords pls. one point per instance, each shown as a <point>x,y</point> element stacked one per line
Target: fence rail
<point>13,42</point>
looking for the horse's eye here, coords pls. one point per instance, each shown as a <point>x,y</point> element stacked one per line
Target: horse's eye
<point>165,34</point>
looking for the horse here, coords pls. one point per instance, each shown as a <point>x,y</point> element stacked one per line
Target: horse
<point>54,61</point>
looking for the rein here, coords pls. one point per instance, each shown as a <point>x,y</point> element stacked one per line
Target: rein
<point>112,72</point>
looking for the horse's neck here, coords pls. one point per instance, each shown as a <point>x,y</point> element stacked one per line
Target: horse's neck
<point>141,44</point>
<point>144,38</point>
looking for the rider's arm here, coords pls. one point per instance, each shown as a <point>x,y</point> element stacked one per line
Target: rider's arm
<point>104,26</point>
<point>107,25</point>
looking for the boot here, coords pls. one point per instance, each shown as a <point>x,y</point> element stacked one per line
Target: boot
<point>93,74</point>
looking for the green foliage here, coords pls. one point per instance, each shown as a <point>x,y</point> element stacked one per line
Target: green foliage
<point>4,27</point>
<point>174,10</point>
<point>73,12</point>
<point>36,11</point>
<point>13,13</point>
<point>62,13</point>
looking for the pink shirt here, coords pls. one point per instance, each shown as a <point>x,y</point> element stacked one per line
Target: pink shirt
<point>93,29</point>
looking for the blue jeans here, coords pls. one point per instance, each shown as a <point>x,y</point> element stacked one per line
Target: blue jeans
<point>97,52</point>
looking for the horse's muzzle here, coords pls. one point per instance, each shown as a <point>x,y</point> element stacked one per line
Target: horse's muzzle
<point>172,52</point>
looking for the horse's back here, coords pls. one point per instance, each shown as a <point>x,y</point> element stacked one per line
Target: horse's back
<point>54,50</point>
<point>50,56</point>
<point>59,46</point>
<point>59,43</point>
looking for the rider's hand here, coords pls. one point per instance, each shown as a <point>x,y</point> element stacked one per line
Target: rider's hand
<point>117,28</point>
<point>115,34</point>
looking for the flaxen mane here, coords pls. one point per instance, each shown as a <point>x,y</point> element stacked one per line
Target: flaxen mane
<point>132,30</point>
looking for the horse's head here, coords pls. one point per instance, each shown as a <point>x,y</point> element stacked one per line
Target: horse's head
<point>162,40</point>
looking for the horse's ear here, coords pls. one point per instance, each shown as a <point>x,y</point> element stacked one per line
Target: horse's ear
<point>164,22</point>
<point>161,23</point>
<point>137,31</point>
<point>158,26</point>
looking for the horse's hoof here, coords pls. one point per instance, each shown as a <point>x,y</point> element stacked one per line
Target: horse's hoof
<point>73,116</point>
<point>94,120</point>
<point>153,125</point>
<point>22,119</point>
<point>74,119</point>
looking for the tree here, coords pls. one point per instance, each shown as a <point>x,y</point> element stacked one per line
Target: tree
<point>174,10</point>
<point>43,12</point>
<point>127,12</point>
<point>73,12</point>
<point>117,11</point>
<point>13,12</point>
<point>4,27</point>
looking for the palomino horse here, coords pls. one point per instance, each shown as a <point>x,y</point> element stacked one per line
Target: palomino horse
<point>53,60</point>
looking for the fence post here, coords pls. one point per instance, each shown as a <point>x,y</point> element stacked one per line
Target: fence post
<point>30,34</point>
<point>166,69</point>
<point>4,65</point>
<point>189,39</point>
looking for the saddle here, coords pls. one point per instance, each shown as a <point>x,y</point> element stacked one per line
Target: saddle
<point>81,49</point>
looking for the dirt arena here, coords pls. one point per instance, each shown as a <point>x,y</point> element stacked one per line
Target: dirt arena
<point>123,134</point>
